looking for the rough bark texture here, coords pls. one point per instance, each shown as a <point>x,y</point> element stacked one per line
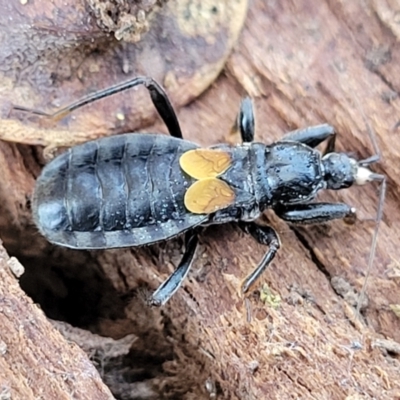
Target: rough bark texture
<point>296,335</point>
<point>35,360</point>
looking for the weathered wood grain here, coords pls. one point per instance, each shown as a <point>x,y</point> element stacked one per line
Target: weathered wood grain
<point>35,360</point>
<point>303,63</point>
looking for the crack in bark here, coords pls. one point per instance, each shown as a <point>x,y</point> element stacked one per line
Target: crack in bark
<point>123,278</point>
<point>295,381</point>
<point>382,77</point>
<point>319,264</point>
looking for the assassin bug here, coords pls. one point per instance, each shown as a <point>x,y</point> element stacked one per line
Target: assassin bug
<point>138,189</point>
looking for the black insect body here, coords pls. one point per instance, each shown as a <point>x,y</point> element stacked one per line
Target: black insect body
<point>137,189</point>
<point>126,190</point>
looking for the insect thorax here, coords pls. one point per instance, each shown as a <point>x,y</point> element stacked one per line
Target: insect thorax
<point>294,172</point>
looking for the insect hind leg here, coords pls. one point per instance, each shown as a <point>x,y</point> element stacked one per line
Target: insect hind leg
<point>167,289</point>
<point>313,136</point>
<point>158,96</point>
<point>264,235</point>
<point>164,107</point>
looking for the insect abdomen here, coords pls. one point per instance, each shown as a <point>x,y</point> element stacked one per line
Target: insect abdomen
<point>120,191</point>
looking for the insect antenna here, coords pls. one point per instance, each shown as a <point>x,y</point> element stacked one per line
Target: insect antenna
<point>382,193</point>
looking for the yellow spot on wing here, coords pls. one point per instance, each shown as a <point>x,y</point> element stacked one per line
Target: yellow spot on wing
<point>205,163</point>
<point>208,195</point>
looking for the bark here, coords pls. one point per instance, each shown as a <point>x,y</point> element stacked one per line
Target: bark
<point>296,335</point>
<point>35,359</point>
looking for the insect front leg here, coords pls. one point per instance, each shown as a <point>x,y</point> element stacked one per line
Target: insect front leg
<point>167,289</point>
<point>314,135</point>
<point>245,121</point>
<point>264,235</point>
<point>315,213</point>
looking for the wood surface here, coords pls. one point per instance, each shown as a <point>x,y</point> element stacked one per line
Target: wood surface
<point>35,361</point>
<point>296,335</point>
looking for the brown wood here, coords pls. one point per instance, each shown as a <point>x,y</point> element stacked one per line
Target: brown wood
<point>35,359</point>
<point>303,63</point>
<point>52,55</point>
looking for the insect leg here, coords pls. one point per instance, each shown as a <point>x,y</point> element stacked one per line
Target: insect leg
<point>175,280</point>
<point>245,121</point>
<point>315,213</point>
<point>164,107</point>
<point>157,94</point>
<point>264,235</point>
<point>313,136</point>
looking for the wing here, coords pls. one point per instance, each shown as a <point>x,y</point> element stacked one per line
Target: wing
<point>205,163</point>
<point>208,195</point>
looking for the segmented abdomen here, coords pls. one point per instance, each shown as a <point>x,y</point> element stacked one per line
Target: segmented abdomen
<point>119,191</point>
